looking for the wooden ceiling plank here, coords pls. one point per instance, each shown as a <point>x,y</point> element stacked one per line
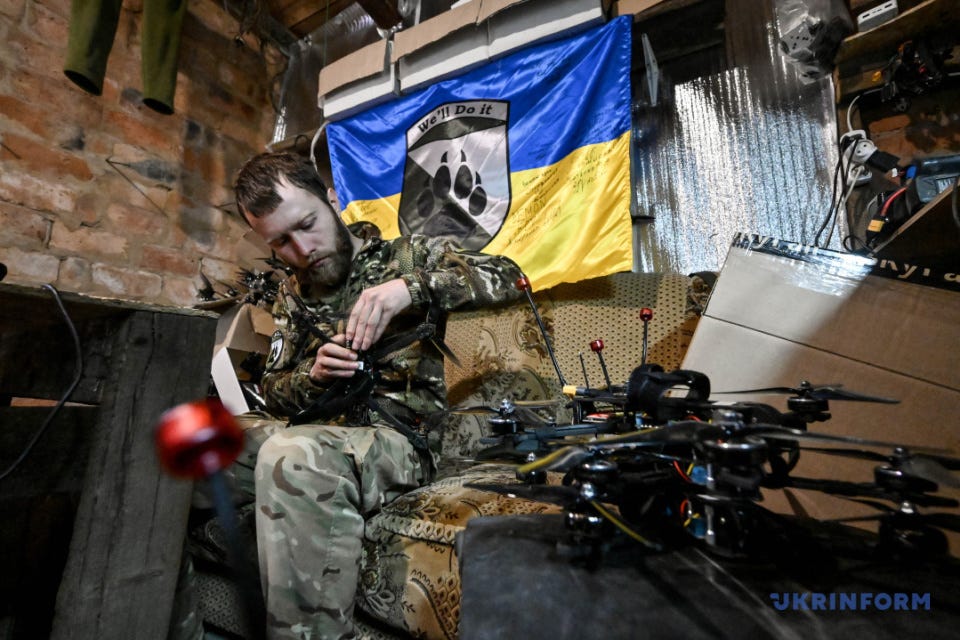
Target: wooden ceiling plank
<point>384,12</point>
<point>303,17</point>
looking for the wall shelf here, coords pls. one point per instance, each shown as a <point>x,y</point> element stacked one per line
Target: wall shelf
<point>861,56</point>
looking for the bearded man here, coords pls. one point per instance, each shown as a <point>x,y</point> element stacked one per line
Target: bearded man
<point>354,447</point>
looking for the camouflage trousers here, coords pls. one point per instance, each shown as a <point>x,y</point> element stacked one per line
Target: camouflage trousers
<point>315,486</point>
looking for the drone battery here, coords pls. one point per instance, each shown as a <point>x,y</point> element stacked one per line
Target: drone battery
<point>935,175</point>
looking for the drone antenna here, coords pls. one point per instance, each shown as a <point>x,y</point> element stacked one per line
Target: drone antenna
<point>646,314</point>
<point>597,347</point>
<point>523,283</point>
<point>583,367</point>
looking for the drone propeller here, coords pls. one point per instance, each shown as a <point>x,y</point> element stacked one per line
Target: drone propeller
<point>503,452</point>
<point>276,263</point>
<point>818,392</point>
<point>477,410</point>
<point>859,491</point>
<point>777,432</point>
<point>947,462</point>
<point>206,293</point>
<point>520,411</point>
<point>930,467</point>
<point>691,433</point>
<point>949,521</point>
<point>506,406</point>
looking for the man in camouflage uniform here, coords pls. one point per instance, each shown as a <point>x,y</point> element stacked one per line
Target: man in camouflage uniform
<point>350,294</point>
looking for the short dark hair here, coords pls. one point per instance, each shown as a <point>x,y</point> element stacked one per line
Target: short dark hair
<point>256,185</point>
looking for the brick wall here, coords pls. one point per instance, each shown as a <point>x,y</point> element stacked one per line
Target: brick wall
<point>102,195</point>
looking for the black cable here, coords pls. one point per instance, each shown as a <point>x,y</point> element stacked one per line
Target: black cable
<point>66,396</point>
<point>845,190</point>
<point>833,198</point>
<point>953,202</point>
<point>848,244</point>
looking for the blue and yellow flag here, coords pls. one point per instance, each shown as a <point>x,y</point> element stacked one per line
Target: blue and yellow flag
<point>527,156</point>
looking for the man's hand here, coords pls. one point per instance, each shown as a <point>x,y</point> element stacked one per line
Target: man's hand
<point>374,310</point>
<point>334,360</point>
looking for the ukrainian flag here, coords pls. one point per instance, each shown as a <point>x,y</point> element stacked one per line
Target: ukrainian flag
<point>527,156</point>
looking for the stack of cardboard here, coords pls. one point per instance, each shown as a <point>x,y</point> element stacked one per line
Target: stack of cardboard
<point>782,313</point>
<point>467,36</point>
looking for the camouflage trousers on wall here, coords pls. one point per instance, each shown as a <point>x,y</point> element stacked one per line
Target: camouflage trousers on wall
<point>314,487</point>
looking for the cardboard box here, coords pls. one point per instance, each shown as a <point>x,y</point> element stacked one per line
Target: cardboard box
<point>471,34</point>
<point>358,81</point>
<point>515,25</point>
<point>241,330</point>
<point>783,313</point>
<point>447,44</point>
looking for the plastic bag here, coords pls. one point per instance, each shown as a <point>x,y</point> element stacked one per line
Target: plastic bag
<point>811,32</point>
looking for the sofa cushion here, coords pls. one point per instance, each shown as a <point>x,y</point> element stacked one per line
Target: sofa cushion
<point>409,578</point>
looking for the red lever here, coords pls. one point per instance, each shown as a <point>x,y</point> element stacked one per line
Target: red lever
<point>597,347</point>
<point>198,439</point>
<point>523,283</point>
<point>646,314</point>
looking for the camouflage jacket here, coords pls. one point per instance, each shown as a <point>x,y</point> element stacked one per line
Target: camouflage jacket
<point>410,380</point>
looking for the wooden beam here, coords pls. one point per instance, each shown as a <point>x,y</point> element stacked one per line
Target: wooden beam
<point>131,520</point>
<point>265,25</point>
<point>384,12</point>
<point>304,17</point>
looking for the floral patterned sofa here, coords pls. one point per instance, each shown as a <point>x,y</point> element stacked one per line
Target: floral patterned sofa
<point>410,582</point>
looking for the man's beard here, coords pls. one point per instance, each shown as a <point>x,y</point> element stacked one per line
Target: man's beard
<point>333,271</point>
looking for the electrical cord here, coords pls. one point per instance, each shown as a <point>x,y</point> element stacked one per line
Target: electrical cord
<point>849,183</point>
<point>833,197</point>
<point>853,103</point>
<point>850,112</point>
<point>889,201</point>
<point>844,190</point>
<point>66,396</point>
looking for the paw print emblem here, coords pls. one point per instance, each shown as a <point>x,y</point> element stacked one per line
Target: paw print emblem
<point>460,183</point>
<point>456,178</point>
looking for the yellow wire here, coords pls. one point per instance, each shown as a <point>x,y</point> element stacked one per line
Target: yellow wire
<point>617,522</point>
<point>549,459</point>
<point>546,460</point>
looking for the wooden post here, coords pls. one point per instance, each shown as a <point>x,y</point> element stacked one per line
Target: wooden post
<point>122,568</point>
